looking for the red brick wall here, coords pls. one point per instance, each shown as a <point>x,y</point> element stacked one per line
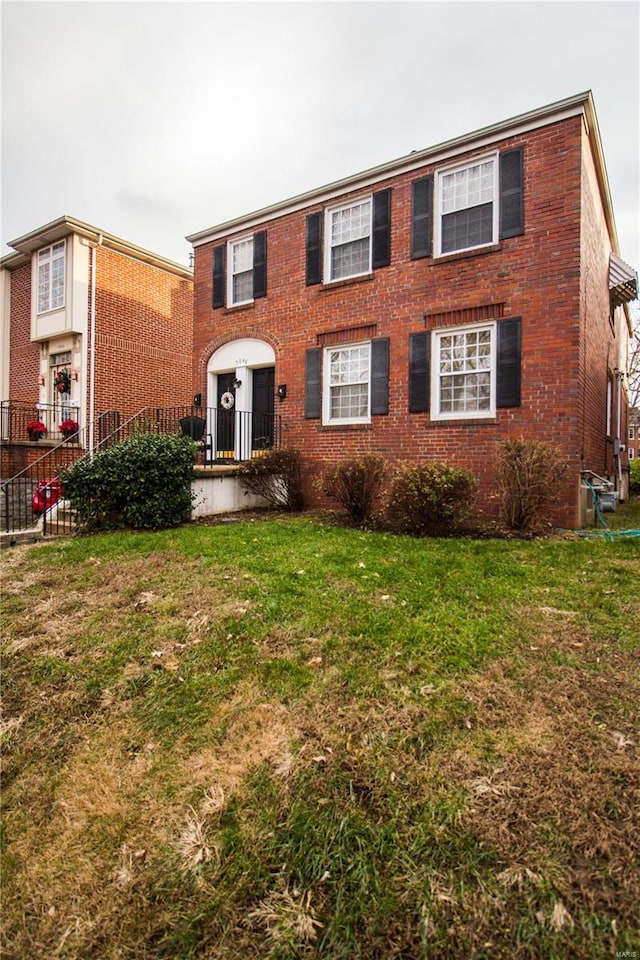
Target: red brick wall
<point>534,276</point>
<point>25,355</point>
<point>143,335</point>
<point>599,340</point>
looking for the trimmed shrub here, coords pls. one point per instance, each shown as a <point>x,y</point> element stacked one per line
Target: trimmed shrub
<point>634,476</point>
<point>142,483</point>
<point>530,477</point>
<point>277,477</point>
<point>355,484</point>
<point>431,499</point>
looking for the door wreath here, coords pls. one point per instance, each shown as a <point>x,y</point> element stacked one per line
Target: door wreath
<point>226,400</point>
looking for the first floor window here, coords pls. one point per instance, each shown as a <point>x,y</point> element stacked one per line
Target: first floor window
<point>631,453</point>
<point>347,383</point>
<point>349,240</point>
<point>464,378</point>
<point>51,278</point>
<point>241,272</point>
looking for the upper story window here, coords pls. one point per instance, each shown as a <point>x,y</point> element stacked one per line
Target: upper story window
<point>464,373</point>
<point>348,240</point>
<point>240,271</point>
<point>631,433</point>
<point>467,206</point>
<point>347,391</point>
<point>51,263</point>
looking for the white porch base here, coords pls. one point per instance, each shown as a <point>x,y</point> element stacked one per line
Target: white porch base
<point>218,490</point>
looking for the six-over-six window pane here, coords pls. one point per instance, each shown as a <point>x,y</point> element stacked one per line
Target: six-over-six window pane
<point>348,369</point>
<point>350,240</point>
<point>467,202</point>
<point>242,271</point>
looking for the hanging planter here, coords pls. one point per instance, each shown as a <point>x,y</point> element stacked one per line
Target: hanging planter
<point>36,429</point>
<point>62,381</point>
<point>68,428</point>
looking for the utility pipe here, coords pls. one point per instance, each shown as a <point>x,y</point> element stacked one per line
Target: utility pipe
<point>92,346</point>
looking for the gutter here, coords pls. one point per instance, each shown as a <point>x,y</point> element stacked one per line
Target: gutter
<point>573,106</point>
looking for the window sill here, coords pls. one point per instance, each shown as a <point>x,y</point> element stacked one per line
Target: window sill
<point>465,254</point>
<point>331,427</point>
<point>234,308</point>
<point>345,282</point>
<point>462,421</point>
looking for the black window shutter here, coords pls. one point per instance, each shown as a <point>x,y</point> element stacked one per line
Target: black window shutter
<point>218,276</point>
<point>381,229</point>
<point>314,249</point>
<point>380,375</point>
<point>260,264</point>
<point>509,350</point>
<point>419,368</point>
<point>312,397</point>
<point>511,194</point>
<point>422,218</point>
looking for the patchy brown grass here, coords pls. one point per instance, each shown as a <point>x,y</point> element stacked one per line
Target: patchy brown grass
<point>164,800</point>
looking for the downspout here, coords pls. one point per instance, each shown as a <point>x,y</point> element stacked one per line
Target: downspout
<point>92,347</point>
<point>619,378</point>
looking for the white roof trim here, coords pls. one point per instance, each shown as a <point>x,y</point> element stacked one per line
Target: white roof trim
<point>478,140</point>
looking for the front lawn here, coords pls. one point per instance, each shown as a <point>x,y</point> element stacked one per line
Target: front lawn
<point>284,739</point>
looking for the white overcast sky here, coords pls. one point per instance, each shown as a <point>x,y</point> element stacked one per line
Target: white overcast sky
<point>156,120</point>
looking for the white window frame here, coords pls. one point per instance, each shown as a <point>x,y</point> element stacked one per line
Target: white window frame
<point>436,338</point>
<point>231,244</point>
<point>631,453</point>
<point>631,433</point>
<point>439,183</point>
<point>329,215</point>
<point>45,259</point>
<point>326,384</point>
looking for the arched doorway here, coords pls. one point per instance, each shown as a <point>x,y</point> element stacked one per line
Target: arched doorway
<point>240,387</point>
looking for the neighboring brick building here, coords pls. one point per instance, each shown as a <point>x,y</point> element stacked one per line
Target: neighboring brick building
<point>633,435</point>
<point>94,329</point>
<point>432,306</point>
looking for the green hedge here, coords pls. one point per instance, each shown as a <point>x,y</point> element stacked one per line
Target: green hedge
<point>142,483</point>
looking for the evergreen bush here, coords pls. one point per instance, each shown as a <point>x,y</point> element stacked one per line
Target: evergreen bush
<point>142,483</point>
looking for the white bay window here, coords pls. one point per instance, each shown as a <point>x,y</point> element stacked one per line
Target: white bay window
<point>51,267</point>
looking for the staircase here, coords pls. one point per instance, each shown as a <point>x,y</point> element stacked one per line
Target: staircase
<point>22,518</point>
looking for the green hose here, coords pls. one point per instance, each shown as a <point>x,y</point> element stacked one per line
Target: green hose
<point>606,533</point>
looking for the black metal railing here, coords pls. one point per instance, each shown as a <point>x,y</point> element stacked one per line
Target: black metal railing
<point>15,419</point>
<point>223,436</point>
<point>33,498</point>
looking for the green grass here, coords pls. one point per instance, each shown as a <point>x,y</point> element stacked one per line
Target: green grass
<point>285,739</point>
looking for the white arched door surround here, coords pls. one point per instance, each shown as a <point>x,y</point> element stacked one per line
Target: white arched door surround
<point>231,396</point>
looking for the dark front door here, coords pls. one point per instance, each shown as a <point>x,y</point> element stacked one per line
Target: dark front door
<point>225,440</point>
<point>262,433</point>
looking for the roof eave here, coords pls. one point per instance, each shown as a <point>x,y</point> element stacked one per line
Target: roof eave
<point>572,106</point>
<point>66,225</point>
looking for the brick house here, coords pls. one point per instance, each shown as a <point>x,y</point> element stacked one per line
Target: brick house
<point>94,328</point>
<point>432,306</point>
